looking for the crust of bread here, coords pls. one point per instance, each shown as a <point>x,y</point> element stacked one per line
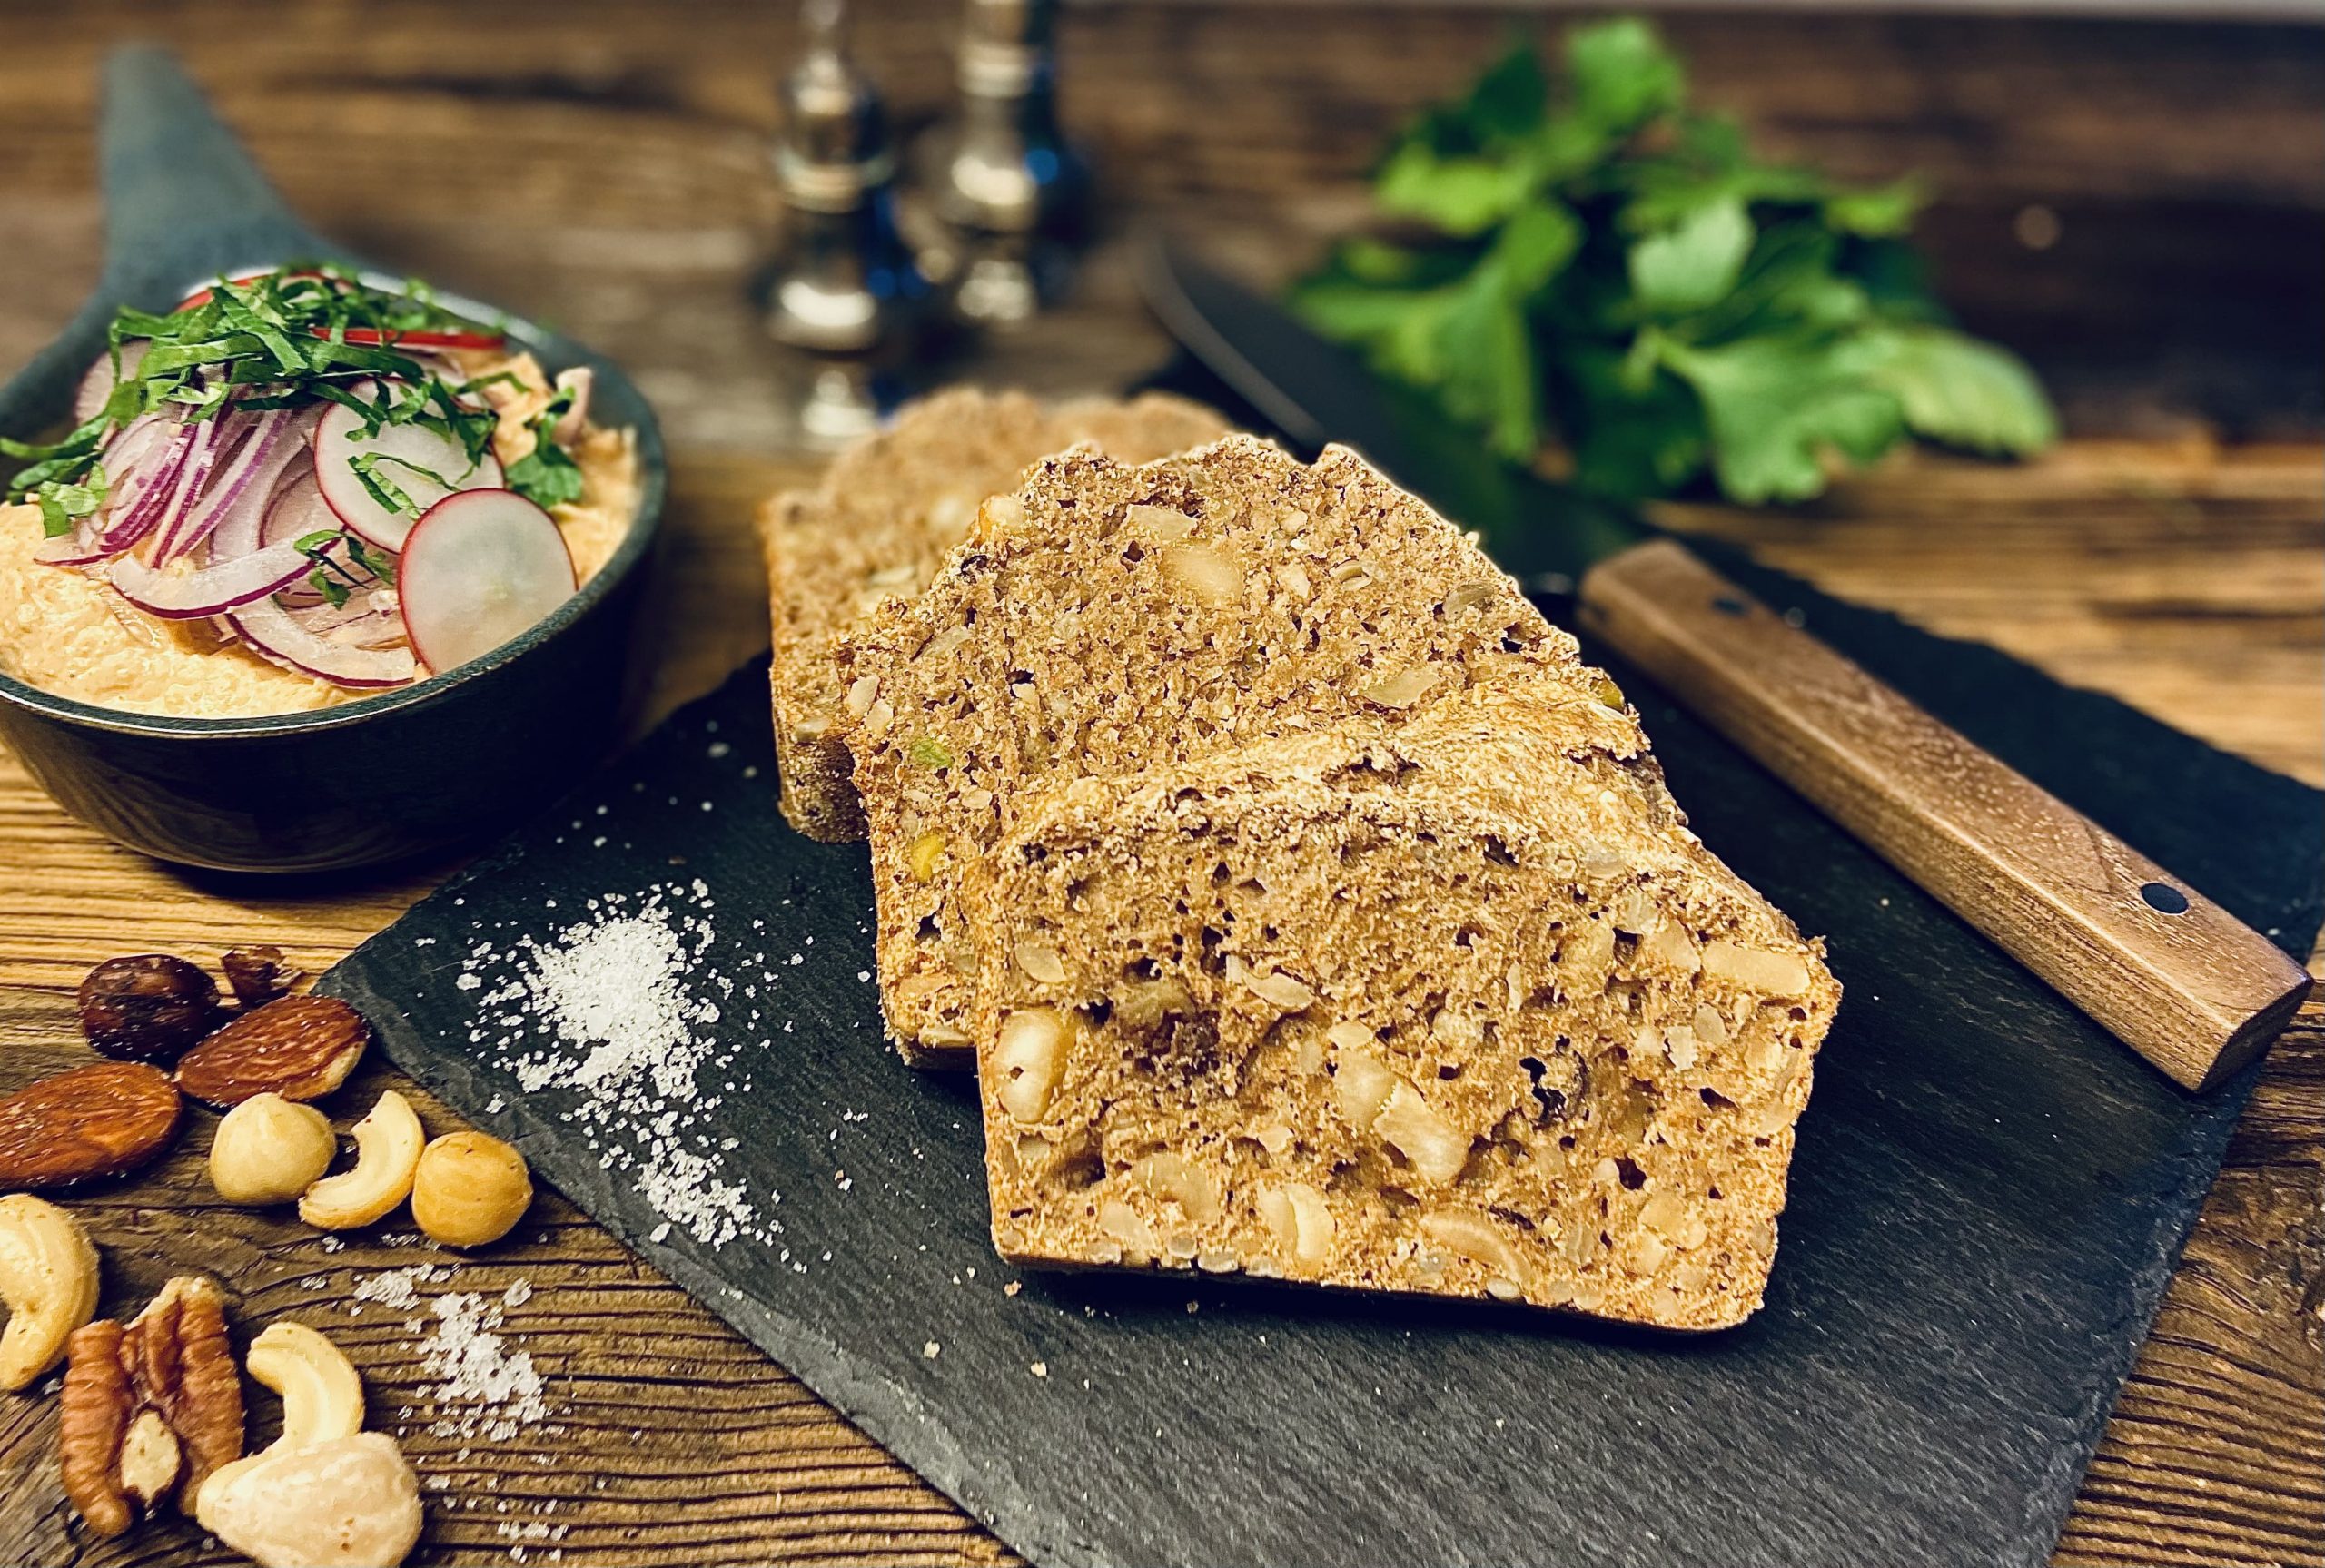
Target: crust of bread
<point>878,524</point>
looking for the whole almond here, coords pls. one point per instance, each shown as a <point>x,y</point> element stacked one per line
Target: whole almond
<point>299,1047</point>
<point>104,1119</point>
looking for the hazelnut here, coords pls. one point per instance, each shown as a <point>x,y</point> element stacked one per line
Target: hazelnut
<point>469,1190</point>
<point>268,1149</point>
<point>150,1007</point>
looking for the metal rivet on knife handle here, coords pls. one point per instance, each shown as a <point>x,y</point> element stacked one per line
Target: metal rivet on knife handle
<point>2168,971</point>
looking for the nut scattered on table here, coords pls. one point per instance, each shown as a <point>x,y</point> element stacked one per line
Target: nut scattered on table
<point>350,1503</point>
<point>322,1394</point>
<point>299,1047</point>
<point>48,1279</point>
<point>470,1190</point>
<point>388,1144</point>
<point>104,1120</point>
<point>151,1411</point>
<point>258,974</point>
<point>325,1492</point>
<point>269,1149</point>
<point>148,1007</point>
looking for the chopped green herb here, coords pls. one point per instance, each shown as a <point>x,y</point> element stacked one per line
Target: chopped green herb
<point>272,342</point>
<point>1599,263</point>
<point>930,753</point>
<point>547,476</point>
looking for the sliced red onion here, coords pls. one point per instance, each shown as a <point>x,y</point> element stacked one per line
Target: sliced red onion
<point>274,631</point>
<point>243,488</point>
<point>130,463</point>
<point>98,384</point>
<point>260,447</point>
<point>210,436</point>
<point>325,618</point>
<point>377,627</point>
<point>141,495</point>
<point>78,548</point>
<point>189,596</point>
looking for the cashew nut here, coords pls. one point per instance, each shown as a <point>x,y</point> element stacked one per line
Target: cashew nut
<point>323,1397</point>
<point>350,1503</point>
<point>48,1278</point>
<point>269,1149</point>
<point>388,1143</point>
<point>322,1394</point>
<point>470,1190</point>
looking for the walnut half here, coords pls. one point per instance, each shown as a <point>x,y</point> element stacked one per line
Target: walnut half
<point>149,1411</point>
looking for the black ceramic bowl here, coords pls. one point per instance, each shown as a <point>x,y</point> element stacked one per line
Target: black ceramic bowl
<point>377,779</point>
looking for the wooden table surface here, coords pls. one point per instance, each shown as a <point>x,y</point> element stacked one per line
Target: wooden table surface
<point>603,166</point>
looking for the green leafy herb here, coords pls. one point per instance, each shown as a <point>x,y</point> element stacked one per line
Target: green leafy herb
<point>333,577</point>
<point>1596,262</point>
<point>275,340</point>
<point>547,476</point>
<point>930,751</point>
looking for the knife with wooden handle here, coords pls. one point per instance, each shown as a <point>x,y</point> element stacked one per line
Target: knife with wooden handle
<point>2165,969</point>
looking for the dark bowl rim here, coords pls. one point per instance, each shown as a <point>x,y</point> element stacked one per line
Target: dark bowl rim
<point>645,524</point>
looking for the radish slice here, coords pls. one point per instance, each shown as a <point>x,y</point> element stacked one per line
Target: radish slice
<point>410,454</point>
<point>189,596</point>
<point>477,570</point>
<point>98,384</point>
<point>272,630</point>
<point>297,508</point>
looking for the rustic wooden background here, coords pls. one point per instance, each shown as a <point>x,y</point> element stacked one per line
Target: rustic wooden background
<point>2140,207</point>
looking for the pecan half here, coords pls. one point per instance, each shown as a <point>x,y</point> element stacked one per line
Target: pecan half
<point>149,1411</point>
<point>299,1047</point>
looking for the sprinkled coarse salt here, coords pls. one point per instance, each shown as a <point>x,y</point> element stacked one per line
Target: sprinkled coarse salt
<point>485,1388</point>
<point>396,1287</point>
<point>609,1024</point>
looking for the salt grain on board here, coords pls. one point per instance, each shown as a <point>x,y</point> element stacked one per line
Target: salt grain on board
<point>610,1025</point>
<point>485,1388</point>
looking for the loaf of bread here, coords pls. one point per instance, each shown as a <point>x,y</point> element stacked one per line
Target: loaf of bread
<point>885,514</point>
<point>1110,618</point>
<point>1456,1008</point>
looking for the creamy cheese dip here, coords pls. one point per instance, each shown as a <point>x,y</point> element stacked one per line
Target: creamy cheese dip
<point>67,631</point>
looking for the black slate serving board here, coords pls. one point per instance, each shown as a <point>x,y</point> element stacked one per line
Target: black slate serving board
<point>1987,1199</point>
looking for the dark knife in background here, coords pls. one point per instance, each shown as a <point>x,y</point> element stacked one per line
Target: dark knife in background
<point>2160,966</point>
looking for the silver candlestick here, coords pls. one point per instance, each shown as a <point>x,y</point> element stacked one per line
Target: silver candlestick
<point>843,288</point>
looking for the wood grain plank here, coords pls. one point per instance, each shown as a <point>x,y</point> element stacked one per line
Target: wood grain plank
<point>601,165</point>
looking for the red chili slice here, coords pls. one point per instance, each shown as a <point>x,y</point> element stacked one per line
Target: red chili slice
<point>374,337</point>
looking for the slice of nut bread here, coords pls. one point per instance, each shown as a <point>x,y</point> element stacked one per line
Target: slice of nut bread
<point>1110,618</point>
<point>887,510</point>
<point>1460,1008</point>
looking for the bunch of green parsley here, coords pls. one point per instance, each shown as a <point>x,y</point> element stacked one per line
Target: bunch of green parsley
<point>1602,262</point>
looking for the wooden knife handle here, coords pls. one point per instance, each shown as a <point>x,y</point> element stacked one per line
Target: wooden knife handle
<point>2173,974</point>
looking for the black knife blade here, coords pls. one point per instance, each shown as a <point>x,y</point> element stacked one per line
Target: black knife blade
<point>1545,534</point>
<point>2172,973</point>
